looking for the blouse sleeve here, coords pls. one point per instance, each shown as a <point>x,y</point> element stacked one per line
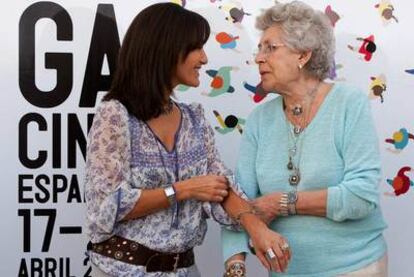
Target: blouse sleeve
<point>357,195</point>
<point>108,190</point>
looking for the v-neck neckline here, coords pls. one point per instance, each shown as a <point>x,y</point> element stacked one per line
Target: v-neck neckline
<point>177,132</point>
<point>319,113</point>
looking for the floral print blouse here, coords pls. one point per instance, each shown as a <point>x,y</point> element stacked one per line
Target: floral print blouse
<point>124,157</point>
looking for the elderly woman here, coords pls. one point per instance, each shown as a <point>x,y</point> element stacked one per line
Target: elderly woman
<point>153,174</point>
<point>310,158</point>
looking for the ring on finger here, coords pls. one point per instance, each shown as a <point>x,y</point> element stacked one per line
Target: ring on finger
<point>270,254</point>
<point>285,246</point>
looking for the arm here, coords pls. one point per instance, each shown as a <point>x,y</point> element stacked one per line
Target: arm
<point>109,193</point>
<point>204,188</point>
<point>357,195</point>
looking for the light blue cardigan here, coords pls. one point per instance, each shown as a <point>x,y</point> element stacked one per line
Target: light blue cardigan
<point>339,153</point>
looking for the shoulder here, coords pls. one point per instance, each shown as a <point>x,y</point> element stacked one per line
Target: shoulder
<point>111,113</point>
<point>349,95</point>
<point>111,107</point>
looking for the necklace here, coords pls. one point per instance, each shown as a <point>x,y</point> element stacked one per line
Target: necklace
<point>169,107</point>
<point>297,134</point>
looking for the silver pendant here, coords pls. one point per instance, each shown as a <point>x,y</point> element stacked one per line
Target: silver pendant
<point>294,179</point>
<point>297,110</point>
<point>297,130</point>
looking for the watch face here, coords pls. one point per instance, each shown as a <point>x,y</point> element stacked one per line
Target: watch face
<point>292,197</point>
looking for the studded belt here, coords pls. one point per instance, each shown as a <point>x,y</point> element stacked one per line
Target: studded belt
<point>131,252</point>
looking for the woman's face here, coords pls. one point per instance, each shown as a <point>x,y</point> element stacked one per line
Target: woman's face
<point>278,65</point>
<point>187,72</point>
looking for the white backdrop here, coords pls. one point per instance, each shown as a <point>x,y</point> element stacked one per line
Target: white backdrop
<point>61,45</point>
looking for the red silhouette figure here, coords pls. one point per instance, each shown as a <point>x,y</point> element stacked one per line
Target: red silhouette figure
<point>401,183</point>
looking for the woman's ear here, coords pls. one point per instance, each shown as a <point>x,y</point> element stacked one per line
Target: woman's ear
<point>304,57</point>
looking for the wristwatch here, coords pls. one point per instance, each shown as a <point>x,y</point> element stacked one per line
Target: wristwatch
<point>287,203</point>
<point>170,193</point>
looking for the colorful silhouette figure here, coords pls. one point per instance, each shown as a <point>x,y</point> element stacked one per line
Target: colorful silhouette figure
<point>400,140</point>
<point>386,11</point>
<point>237,15</point>
<point>377,87</point>
<point>401,183</point>
<point>367,48</point>
<point>258,91</point>
<point>229,124</point>
<point>235,12</point>
<point>226,40</point>
<point>221,81</point>
<point>332,15</point>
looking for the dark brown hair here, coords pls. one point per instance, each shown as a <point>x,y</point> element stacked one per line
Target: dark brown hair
<point>158,38</point>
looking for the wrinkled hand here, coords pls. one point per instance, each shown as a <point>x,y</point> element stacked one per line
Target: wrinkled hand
<point>211,188</point>
<point>267,206</point>
<point>264,240</point>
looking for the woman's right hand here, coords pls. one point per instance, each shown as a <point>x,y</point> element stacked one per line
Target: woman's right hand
<point>209,188</point>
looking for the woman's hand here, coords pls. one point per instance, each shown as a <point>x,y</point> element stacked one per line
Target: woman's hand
<point>211,188</point>
<point>267,206</point>
<point>271,249</point>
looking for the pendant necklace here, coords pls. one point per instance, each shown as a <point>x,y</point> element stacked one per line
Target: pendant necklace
<point>296,136</point>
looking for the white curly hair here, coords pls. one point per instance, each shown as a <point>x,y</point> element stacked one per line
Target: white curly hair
<point>305,29</point>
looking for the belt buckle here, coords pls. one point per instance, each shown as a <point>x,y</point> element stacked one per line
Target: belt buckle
<point>176,258</point>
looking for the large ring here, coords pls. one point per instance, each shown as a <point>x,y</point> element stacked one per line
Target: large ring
<point>270,254</point>
<point>284,246</point>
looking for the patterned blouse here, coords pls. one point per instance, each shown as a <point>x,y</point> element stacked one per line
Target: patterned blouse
<point>124,156</point>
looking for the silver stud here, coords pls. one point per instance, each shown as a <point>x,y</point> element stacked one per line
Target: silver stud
<point>119,255</point>
<point>134,246</point>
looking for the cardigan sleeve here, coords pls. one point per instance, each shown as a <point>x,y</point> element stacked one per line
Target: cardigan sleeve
<point>357,195</point>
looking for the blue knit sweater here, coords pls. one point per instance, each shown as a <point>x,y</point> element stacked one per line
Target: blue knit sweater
<point>339,152</point>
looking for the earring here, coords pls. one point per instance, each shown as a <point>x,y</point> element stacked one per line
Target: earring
<point>300,66</point>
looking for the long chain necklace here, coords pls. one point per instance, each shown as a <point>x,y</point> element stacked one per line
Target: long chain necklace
<point>298,133</point>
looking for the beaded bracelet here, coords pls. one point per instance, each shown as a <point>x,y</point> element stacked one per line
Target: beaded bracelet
<point>240,214</point>
<point>236,268</point>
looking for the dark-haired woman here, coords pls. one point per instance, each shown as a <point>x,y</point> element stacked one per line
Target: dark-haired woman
<point>153,174</point>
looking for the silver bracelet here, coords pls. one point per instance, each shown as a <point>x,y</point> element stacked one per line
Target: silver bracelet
<point>287,203</point>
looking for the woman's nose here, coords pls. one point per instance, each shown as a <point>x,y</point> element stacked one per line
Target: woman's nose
<point>204,59</point>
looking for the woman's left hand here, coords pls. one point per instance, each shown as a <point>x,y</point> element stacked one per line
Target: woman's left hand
<point>267,206</point>
<point>271,248</point>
